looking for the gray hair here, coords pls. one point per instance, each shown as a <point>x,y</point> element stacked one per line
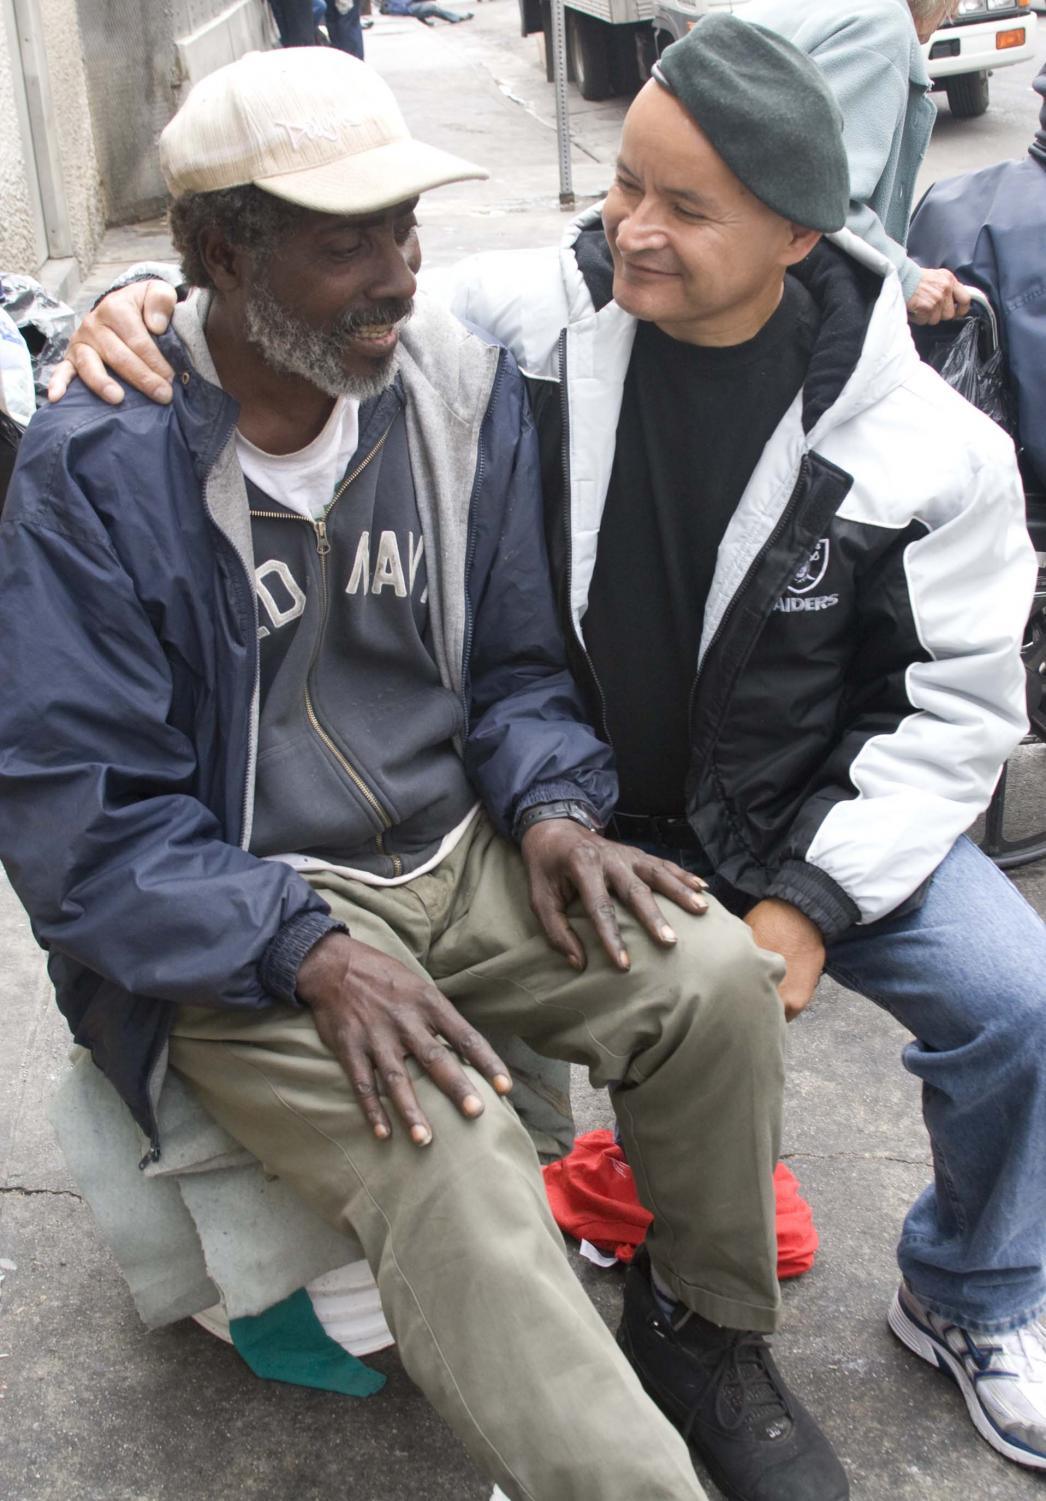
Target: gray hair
<point>247,217</point>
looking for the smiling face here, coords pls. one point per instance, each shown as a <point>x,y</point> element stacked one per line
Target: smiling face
<point>320,297</point>
<point>329,302</point>
<point>694,251</point>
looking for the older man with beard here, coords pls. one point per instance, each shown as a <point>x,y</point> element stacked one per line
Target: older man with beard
<point>284,691</point>
<point>794,574</point>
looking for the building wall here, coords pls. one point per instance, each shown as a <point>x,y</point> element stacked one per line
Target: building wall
<point>69,129</point>
<point>80,168</point>
<point>115,72</point>
<point>140,58</point>
<point>17,234</point>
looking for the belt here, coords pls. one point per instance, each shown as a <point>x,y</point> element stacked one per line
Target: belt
<point>643,828</point>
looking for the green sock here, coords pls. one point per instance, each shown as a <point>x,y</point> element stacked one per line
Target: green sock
<point>287,1342</point>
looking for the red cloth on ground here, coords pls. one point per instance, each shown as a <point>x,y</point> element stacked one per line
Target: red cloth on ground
<point>592,1194</point>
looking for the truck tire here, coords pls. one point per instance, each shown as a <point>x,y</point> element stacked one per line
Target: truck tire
<point>967,95</point>
<point>589,54</point>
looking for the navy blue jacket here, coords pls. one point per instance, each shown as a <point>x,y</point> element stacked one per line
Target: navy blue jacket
<point>130,640</point>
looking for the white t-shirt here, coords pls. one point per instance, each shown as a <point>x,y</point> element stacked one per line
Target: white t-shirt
<point>305,481</point>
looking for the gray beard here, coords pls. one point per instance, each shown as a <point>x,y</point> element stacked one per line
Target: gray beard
<point>291,346</point>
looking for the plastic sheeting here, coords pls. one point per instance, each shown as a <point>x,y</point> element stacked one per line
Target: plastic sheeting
<point>45,324</point>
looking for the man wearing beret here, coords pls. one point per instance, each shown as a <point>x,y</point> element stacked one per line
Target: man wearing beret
<point>870,52</point>
<point>793,571</point>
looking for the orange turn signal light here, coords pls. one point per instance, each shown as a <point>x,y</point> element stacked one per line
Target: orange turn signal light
<point>1009,39</point>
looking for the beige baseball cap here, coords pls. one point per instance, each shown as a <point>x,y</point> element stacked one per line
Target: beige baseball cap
<point>310,124</point>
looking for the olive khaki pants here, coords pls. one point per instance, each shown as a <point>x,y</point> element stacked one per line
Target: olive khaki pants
<point>489,1319</point>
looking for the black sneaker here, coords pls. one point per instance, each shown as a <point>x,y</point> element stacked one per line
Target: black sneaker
<point>721,1389</point>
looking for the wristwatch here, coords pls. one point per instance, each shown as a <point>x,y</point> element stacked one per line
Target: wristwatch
<point>578,812</point>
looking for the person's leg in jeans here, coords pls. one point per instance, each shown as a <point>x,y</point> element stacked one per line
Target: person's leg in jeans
<point>966,973</point>
<point>489,1318</point>
<point>344,28</point>
<point>427,10</point>
<point>294,21</point>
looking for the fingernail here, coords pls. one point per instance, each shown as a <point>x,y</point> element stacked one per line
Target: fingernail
<point>623,959</point>
<point>157,323</point>
<point>472,1104</point>
<point>163,394</point>
<point>697,901</point>
<point>113,394</point>
<point>573,961</point>
<point>502,1083</point>
<point>381,1132</point>
<point>667,935</point>
<point>420,1135</point>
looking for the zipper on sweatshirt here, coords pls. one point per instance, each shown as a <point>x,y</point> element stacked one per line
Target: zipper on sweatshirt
<point>470,553</point>
<point>323,548</point>
<point>564,427</point>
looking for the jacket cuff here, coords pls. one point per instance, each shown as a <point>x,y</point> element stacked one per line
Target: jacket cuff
<point>551,792</point>
<point>910,273</point>
<point>282,959</point>
<point>816,895</point>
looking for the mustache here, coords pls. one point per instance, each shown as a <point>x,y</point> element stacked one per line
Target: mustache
<point>375,314</point>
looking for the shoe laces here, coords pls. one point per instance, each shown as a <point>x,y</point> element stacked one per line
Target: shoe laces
<point>748,1393</point>
<point>1023,1350</point>
<point>1017,1353</point>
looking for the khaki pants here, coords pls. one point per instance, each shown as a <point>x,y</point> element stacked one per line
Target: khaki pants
<point>490,1321</point>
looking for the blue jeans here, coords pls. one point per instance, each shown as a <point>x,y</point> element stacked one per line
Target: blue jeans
<point>966,974</point>
<point>345,31</point>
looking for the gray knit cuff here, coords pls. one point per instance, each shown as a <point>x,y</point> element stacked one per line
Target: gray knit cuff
<point>282,959</point>
<point>146,271</point>
<point>816,895</point>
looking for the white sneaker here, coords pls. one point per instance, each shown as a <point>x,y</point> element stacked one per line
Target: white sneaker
<point>1001,1376</point>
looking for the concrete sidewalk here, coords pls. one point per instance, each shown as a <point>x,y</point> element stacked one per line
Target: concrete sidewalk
<point>92,1408</point>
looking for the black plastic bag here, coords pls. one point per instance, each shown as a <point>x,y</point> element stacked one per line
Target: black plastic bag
<point>975,373</point>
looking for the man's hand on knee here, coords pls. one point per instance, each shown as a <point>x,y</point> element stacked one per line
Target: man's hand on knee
<point>566,862</point>
<point>784,930</point>
<point>374,1013</point>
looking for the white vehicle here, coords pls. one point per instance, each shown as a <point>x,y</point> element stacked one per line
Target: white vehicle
<point>960,57</point>
<point>985,35</point>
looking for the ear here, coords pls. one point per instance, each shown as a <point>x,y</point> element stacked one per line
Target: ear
<point>800,243</point>
<point>224,262</point>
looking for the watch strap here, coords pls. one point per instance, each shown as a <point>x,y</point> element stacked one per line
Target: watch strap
<point>576,811</point>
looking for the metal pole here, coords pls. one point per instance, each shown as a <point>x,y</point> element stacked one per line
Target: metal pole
<point>559,75</point>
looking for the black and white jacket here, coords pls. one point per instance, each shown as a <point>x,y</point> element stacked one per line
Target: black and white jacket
<point>858,683</point>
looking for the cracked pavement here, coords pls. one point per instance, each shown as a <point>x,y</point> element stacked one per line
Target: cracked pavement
<point>94,1408</point>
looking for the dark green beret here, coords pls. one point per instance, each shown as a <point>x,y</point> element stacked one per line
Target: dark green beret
<point>768,112</point>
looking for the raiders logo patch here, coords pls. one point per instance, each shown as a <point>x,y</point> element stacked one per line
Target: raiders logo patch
<point>809,574</point>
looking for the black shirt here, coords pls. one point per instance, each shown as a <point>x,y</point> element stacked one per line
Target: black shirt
<point>694,422</point>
